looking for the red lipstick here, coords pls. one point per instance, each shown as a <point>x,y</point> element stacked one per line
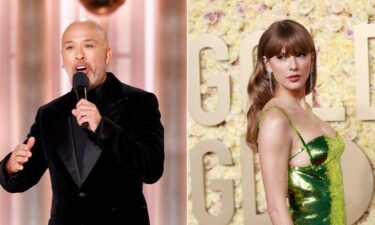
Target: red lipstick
<point>294,78</point>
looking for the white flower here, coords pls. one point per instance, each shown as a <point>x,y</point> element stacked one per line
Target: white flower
<point>333,23</point>
<point>303,7</point>
<point>270,3</point>
<point>251,13</point>
<point>196,129</point>
<point>279,9</point>
<point>360,17</point>
<point>351,134</point>
<point>336,6</point>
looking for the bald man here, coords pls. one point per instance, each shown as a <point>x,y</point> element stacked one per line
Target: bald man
<point>96,173</point>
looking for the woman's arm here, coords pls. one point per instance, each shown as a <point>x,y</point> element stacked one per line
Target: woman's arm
<point>274,143</point>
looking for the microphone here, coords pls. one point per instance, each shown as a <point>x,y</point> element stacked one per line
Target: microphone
<point>80,85</point>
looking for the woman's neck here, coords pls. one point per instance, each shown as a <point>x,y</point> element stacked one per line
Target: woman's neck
<point>292,98</point>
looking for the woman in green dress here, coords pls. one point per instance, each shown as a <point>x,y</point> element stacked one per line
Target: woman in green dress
<point>299,153</point>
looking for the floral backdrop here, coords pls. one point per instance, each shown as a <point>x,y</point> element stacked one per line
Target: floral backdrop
<point>331,23</point>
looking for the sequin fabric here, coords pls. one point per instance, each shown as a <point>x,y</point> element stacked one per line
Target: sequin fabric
<point>315,192</point>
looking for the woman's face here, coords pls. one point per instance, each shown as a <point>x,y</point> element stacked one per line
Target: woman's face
<point>289,71</point>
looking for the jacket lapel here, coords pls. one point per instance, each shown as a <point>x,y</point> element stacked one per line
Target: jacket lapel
<point>91,156</point>
<point>66,148</point>
<point>110,105</point>
<point>111,98</point>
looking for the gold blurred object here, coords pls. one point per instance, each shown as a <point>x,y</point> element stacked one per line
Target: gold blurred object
<point>102,7</point>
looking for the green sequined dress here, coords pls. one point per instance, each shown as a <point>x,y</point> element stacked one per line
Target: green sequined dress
<point>315,192</point>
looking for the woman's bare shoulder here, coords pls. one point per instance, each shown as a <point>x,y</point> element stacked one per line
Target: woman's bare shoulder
<point>275,132</point>
<point>272,103</point>
<point>274,112</point>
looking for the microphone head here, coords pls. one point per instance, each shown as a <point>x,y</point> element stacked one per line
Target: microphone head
<point>80,79</point>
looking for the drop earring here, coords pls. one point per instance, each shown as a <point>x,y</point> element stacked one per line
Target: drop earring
<point>311,78</point>
<point>270,84</point>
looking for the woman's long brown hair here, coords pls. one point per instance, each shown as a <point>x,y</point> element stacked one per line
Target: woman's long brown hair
<point>295,39</point>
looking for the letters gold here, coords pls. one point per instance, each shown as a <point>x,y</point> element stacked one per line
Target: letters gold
<point>221,82</point>
<point>197,183</point>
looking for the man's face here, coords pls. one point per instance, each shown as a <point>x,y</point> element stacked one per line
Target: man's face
<point>84,48</point>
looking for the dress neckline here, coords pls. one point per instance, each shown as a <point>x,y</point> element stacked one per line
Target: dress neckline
<point>337,137</point>
<point>314,139</point>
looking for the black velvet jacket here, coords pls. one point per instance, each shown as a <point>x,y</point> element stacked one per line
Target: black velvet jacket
<point>125,152</point>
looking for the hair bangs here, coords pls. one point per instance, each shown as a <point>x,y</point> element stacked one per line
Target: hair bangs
<point>289,41</point>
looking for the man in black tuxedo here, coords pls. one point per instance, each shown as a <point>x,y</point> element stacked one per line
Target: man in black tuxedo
<point>97,173</point>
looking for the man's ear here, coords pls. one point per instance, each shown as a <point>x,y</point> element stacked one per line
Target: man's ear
<point>108,56</point>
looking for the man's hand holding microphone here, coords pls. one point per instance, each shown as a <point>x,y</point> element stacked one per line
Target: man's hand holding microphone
<point>86,113</point>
